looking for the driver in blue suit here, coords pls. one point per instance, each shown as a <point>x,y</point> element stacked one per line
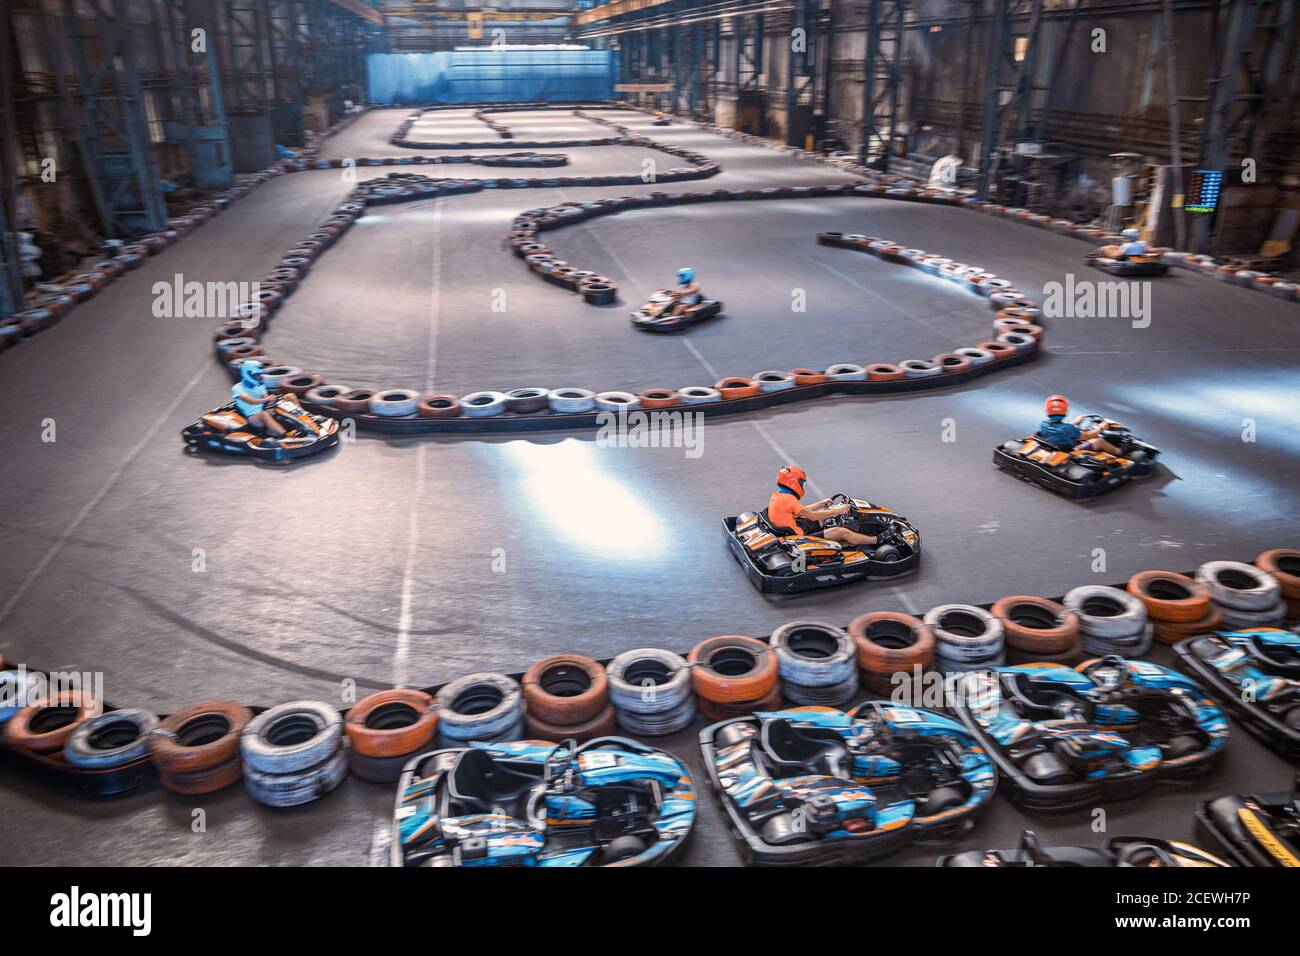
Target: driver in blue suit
<point>252,396</point>
<point>687,292</point>
<point>1066,436</point>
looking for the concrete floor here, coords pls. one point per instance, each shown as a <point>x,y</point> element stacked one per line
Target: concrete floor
<point>374,564</point>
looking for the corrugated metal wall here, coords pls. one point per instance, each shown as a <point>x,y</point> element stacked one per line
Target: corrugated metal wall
<point>490,76</point>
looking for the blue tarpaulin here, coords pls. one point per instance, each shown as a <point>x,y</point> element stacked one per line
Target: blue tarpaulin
<point>490,76</point>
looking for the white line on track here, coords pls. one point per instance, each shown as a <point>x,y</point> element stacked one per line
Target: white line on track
<point>401,652</point>
<point>99,496</point>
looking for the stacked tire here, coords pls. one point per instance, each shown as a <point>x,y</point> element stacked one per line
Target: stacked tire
<point>1177,606</point>
<point>966,638</point>
<point>1246,596</point>
<point>1112,621</point>
<point>566,697</point>
<point>889,644</point>
<point>1038,630</point>
<point>651,692</point>
<point>386,730</point>
<point>196,749</point>
<point>1283,565</point>
<point>45,726</point>
<point>110,741</point>
<point>294,753</point>
<point>817,663</point>
<point>486,707</point>
<point>734,676</point>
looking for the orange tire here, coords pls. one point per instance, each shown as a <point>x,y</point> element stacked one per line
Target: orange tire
<point>807,376</point>
<point>199,737</point>
<point>888,642</point>
<point>1036,625</point>
<point>438,406</point>
<point>1170,597</point>
<point>713,710</point>
<point>44,727</point>
<point>1000,350</point>
<point>950,362</point>
<point>883,372</point>
<point>1284,565</point>
<point>1171,632</point>
<point>737,386</point>
<point>391,723</point>
<point>209,780</point>
<point>732,669</point>
<point>565,689</point>
<point>602,724</point>
<point>658,398</point>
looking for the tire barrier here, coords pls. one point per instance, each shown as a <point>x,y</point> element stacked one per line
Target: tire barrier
<point>1112,621</point>
<point>889,644</point>
<point>1245,595</point>
<point>1177,606</point>
<point>1283,565</point>
<point>386,730</point>
<point>578,408</point>
<point>818,663</point>
<point>484,706</point>
<point>294,753</point>
<point>734,676</point>
<point>309,747</point>
<point>966,638</point>
<point>567,698</point>
<point>1037,629</point>
<point>196,750</point>
<point>651,691</point>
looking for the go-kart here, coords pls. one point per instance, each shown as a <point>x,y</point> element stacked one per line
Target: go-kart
<point>1065,738</point>
<point>1256,829</point>
<point>1255,674</point>
<point>225,429</point>
<point>815,785</point>
<point>1110,259</point>
<point>1078,472</point>
<point>782,563</point>
<point>656,315</point>
<point>1117,851</point>
<point>608,802</point>
<point>661,121</point>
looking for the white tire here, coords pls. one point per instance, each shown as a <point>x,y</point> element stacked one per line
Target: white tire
<point>964,632</point>
<point>568,401</point>
<point>1106,612</point>
<point>1240,586</point>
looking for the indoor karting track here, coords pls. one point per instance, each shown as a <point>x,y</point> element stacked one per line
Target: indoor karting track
<point>375,562</point>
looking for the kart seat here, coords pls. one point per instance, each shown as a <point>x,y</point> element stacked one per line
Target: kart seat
<point>1279,659</point>
<point>1039,698</point>
<point>479,784</point>
<point>803,750</point>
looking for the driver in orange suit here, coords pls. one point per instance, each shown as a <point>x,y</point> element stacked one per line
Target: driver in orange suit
<point>787,515</point>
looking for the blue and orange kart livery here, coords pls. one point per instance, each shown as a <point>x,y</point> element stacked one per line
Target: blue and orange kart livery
<point>780,562</point>
<point>815,785</point>
<point>1079,472</point>
<point>1065,738</point>
<point>1255,674</point>
<point>225,429</point>
<point>609,802</point>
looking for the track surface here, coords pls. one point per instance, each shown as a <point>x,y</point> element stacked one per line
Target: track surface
<point>376,563</point>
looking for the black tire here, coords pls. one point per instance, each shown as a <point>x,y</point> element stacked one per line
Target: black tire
<point>622,848</point>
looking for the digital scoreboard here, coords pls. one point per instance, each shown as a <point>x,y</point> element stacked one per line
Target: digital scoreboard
<point>1203,190</point>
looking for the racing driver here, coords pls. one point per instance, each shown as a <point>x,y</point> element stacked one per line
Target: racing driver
<point>786,514</point>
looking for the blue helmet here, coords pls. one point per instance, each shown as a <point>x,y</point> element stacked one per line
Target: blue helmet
<point>250,372</point>
<point>1130,234</point>
<point>685,275</point>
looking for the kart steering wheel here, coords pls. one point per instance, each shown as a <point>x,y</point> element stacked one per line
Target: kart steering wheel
<point>1109,673</point>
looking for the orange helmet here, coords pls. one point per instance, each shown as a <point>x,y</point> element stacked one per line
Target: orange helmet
<point>792,479</point>
<point>1057,405</point>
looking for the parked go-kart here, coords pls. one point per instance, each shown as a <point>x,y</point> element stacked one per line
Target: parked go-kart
<point>814,785</point>
<point>1256,675</point>
<point>608,802</point>
<point>1065,738</point>
<point>1117,851</point>
<point>1256,829</point>
<point>790,563</point>
<point>1109,259</point>
<point>1078,472</point>
<point>655,315</point>
<point>225,429</point>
